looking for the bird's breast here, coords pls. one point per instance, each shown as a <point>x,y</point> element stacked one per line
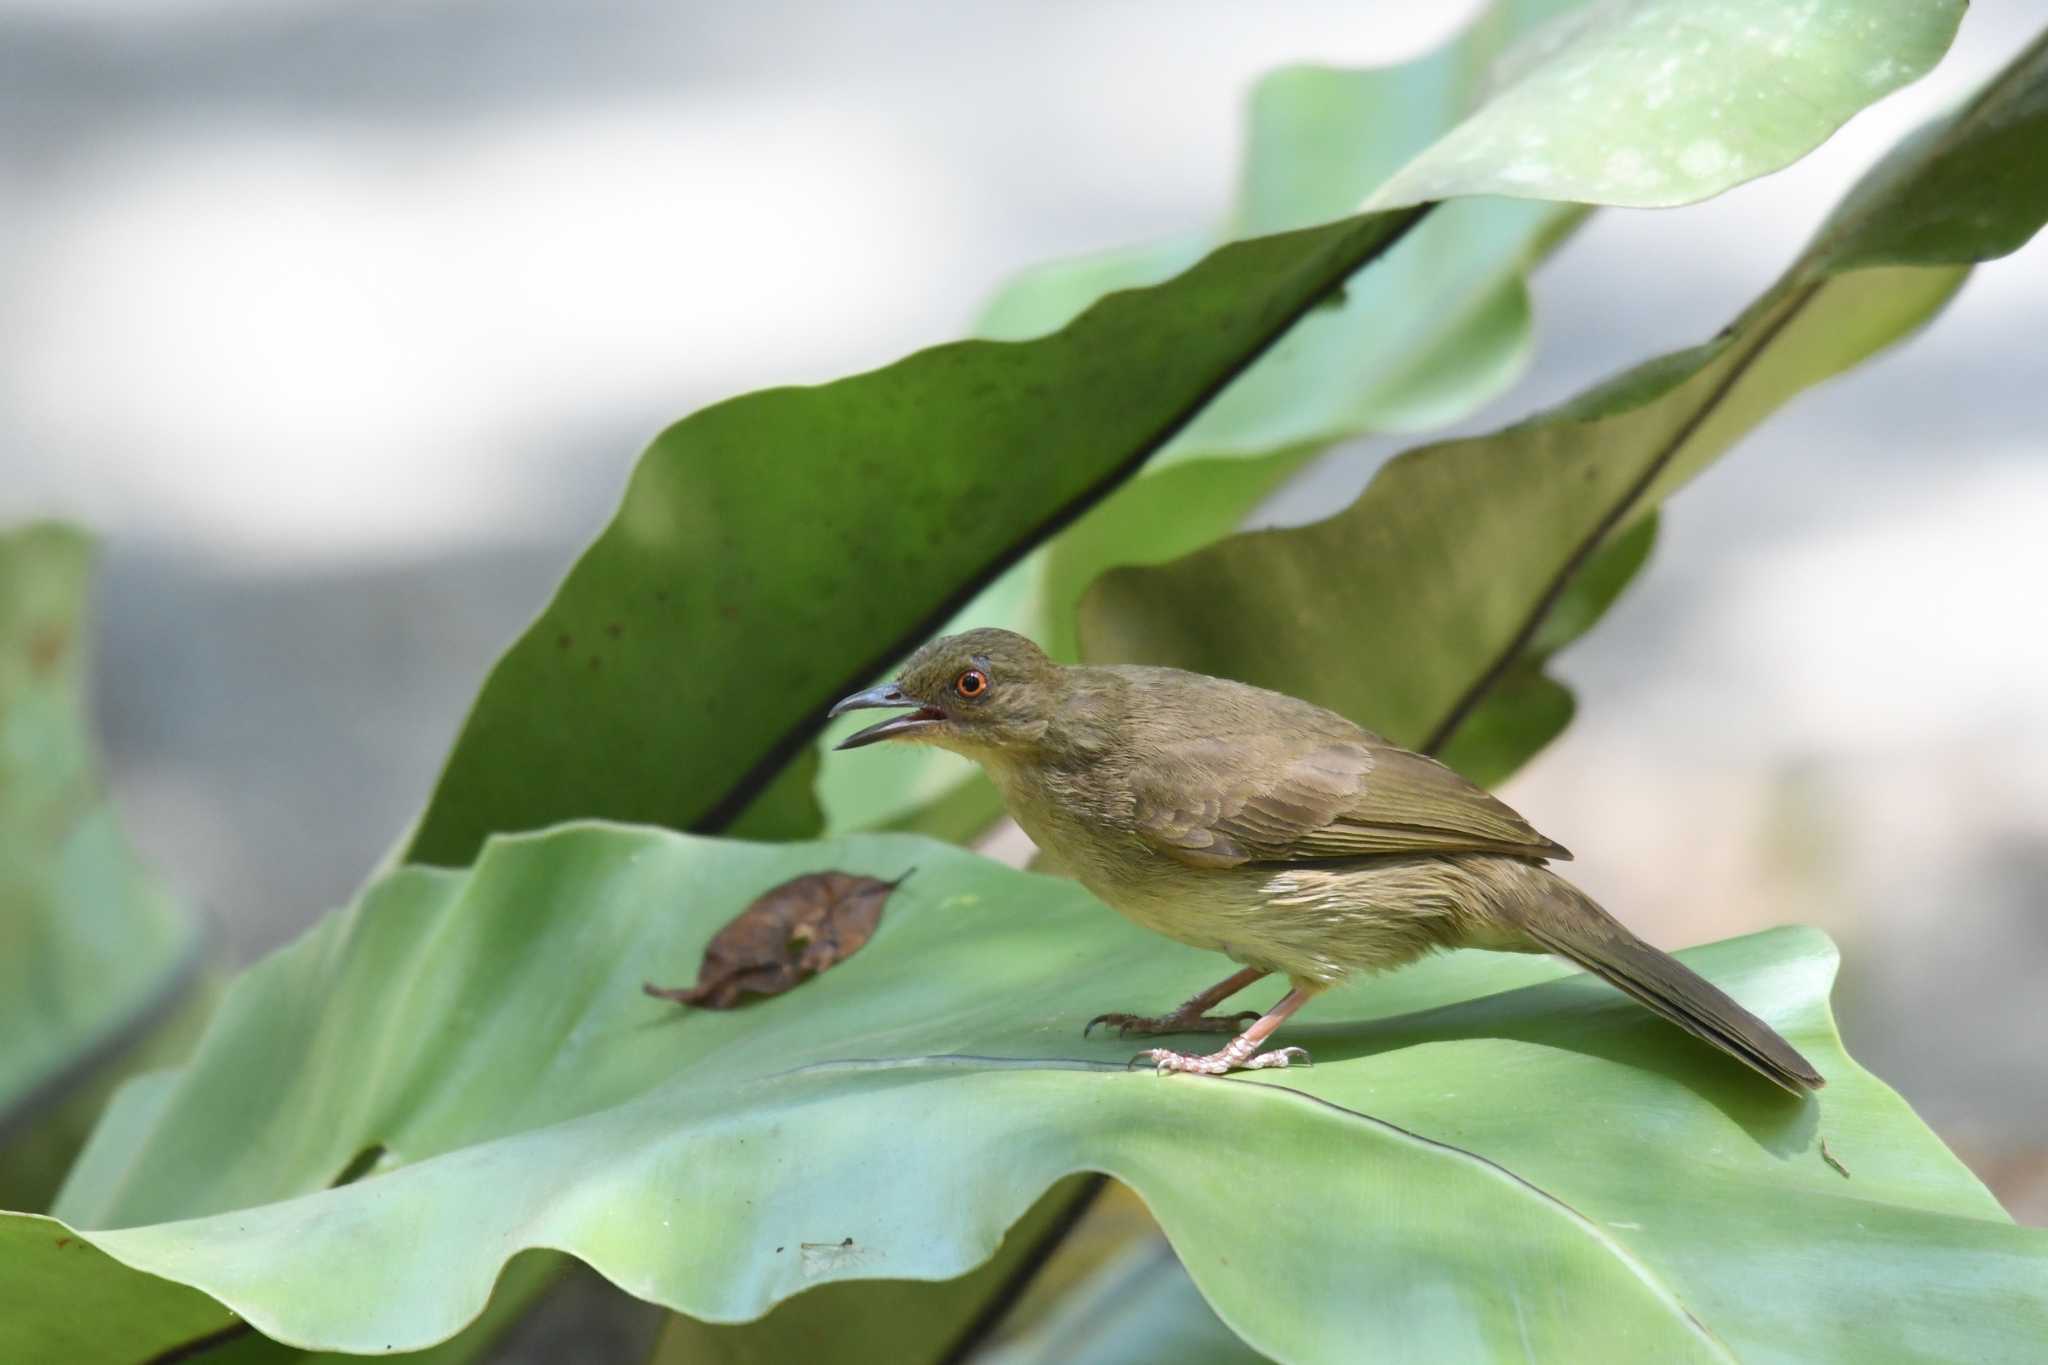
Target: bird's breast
<point>1065,814</point>
<point>1084,822</point>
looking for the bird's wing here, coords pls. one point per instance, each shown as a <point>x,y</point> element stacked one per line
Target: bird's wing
<point>1212,802</point>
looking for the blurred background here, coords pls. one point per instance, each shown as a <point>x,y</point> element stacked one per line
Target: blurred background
<point>342,323</point>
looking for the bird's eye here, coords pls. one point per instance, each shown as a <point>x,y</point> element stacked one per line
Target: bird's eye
<point>971,684</point>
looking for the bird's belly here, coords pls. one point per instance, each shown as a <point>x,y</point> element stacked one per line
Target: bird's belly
<point>1123,872</point>
<point>1310,922</point>
<point>1325,922</point>
<point>1187,917</point>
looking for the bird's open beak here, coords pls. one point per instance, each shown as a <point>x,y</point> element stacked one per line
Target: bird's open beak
<point>888,694</point>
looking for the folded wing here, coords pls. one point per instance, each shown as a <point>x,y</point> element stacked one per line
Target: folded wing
<point>1318,797</point>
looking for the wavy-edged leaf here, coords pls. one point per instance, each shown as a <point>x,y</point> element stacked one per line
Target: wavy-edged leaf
<point>775,551</point>
<point>150,1318</point>
<point>1492,1154</point>
<point>93,952</point>
<point>1471,545</point>
<point>68,1300</point>
<point>880,1322</point>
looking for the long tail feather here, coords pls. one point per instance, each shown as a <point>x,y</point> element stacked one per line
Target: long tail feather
<point>1573,927</point>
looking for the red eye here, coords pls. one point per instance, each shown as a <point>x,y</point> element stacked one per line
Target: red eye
<point>971,684</point>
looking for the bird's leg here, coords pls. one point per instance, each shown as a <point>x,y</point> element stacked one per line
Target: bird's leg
<point>1192,1016</point>
<point>1242,1053</point>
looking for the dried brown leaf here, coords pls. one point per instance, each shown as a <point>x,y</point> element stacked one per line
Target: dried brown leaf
<point>789,934</point>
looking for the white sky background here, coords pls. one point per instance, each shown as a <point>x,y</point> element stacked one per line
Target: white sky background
<point>321,288</point>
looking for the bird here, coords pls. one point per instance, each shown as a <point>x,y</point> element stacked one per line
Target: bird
<point>1276,832</point>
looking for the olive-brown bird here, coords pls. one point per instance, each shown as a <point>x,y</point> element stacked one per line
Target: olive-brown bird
<point>1276,832</point>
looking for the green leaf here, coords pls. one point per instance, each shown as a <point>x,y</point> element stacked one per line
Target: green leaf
<point>1473,545</point>
<point>526,1281</point>
<point>1728,82</point>
<point>159,1317</point>
<point>778,550</point>
<point>115,1314</point>
<point>1492,1155</point>
<point>68,1300</point>
<point>93,953</point>
<point>1964,187</point>
<point>1526,708</point>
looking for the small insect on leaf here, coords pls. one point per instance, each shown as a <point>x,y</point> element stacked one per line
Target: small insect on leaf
<point>789,934</point>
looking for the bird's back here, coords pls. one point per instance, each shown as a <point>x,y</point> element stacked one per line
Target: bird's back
<point>1216,773</point>
<point>1167,705</point>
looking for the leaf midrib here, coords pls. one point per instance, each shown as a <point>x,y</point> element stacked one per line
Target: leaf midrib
<point>1588,545</point>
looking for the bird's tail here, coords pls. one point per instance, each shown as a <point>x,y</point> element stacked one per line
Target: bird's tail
<point>1568,923</point>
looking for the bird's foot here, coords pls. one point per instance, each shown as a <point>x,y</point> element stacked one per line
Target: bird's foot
<point>1241,1055</point>
<point>1180,1021</point>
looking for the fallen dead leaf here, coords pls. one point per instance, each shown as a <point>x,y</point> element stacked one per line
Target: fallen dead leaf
<point>789,934</point>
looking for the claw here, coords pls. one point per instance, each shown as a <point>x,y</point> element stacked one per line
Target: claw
<point>1166,1062</point>
<point>1241,1052</point>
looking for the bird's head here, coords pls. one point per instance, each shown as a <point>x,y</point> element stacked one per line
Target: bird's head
<point>982,693</point>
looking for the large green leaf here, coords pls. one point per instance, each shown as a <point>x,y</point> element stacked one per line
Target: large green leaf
<point>1492,1154</point>
<point>92,951</point>
<point>98,1310</point>
<point>156,1316</point>
<point>1474,544</point>
<point>777,550</point>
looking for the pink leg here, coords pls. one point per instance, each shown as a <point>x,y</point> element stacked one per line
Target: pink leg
<point>1242,1053</point>
<point>1190,1017</point>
